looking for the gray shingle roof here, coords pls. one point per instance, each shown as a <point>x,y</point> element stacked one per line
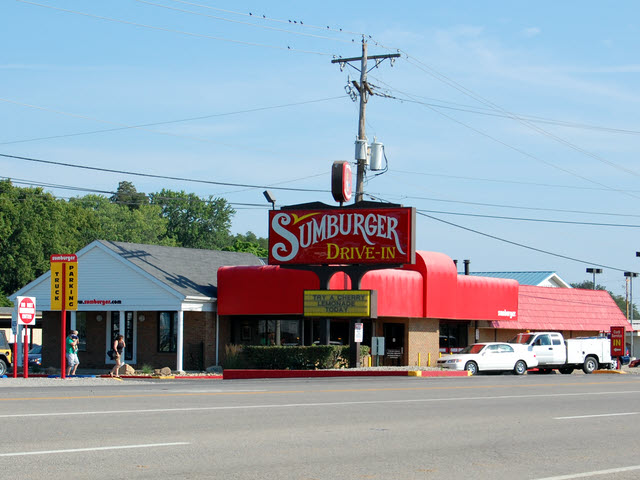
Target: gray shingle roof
<point>190,271</point>
<point>523,278</point>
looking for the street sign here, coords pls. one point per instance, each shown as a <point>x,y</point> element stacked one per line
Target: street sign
<point>26,310</point>
<point>617,341</point>
<point>64,282</point>
<point>358,334</point>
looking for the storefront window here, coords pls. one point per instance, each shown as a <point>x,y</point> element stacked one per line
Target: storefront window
<point>167,332</point>
<point>289,332</point>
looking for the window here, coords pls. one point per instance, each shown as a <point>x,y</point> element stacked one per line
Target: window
<point>545,340</point>
<point>81,326</point>
<point>167,332</point>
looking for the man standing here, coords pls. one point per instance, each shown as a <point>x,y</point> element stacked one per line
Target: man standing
<point>72,353</point>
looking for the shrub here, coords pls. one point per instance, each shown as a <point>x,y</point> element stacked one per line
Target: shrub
<point>146,369</point>
<point>297,358</point>
<point>234,357</point>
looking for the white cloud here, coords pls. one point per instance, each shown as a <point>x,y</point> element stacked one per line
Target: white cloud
<point>531,32</point>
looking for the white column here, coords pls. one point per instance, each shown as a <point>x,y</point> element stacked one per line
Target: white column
<point>121,325</point>
<point>180,340</point>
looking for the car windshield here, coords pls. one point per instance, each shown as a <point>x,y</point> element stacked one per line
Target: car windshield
<point>524,338</point>
<point>475,348</point>
<point>36,349</point>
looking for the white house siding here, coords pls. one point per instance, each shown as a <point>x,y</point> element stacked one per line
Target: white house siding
<point>103,276</point>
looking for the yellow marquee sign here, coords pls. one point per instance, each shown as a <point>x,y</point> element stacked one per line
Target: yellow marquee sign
<point>340,303</point>
<point>64,282</point>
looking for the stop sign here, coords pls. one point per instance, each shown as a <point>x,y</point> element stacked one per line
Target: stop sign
<point>26,311</point>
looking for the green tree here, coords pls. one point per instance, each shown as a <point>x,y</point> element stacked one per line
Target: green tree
<point>244,246</point>
<point>33,225</point>
<point>620,300</point>
<point>4,301</point>
<point>194,222</point>
<point>251,237</point>
<point>127,195</point>
<point>97,218</point>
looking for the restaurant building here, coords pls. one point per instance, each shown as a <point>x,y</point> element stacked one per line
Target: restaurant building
<point>180,308</point>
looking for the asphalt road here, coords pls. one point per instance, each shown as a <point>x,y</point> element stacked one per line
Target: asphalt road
<point>486,427</point>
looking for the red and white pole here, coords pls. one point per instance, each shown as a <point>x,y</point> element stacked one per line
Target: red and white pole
<point>25,357</point>
<point>63,326</point>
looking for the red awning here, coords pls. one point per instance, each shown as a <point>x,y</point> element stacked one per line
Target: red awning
<point>430,288</point>
<point>567,309</point>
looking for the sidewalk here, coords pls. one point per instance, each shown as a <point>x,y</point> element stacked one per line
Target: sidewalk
<point>236,374</point>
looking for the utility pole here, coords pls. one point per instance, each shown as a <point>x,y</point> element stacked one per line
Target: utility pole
<point>364,91</point>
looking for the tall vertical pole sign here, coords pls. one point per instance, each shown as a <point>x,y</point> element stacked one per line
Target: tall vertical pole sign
<point>64,295</point>
<point>26,318</point>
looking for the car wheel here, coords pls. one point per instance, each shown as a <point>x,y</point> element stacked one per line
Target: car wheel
<point>590,364</point>
<point>3,368</point>
<point>520,367</point>
<point>566,370</point>
<point>471,367</point>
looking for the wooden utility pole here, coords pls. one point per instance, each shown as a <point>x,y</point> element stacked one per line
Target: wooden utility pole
<point>364,90</point>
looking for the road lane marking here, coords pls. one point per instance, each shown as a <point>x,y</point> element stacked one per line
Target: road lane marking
<point>592,474</point>
<point>335,390</point>
<point>597,415</point>
<point>311,404</point>
<point>94,449</point>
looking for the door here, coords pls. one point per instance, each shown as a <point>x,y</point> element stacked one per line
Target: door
<point>129,331</point>
<point>543,349</point>
<point>393,343</point>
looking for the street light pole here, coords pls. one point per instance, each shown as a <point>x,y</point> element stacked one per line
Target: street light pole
<point>594,271</point>
<point>630,276</point>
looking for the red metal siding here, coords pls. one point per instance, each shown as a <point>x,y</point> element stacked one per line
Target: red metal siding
<point>440,279</point>
<point>484,298</point>
<point>267,290</point>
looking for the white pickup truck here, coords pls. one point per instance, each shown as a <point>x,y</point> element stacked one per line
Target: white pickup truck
<point>553,351</point>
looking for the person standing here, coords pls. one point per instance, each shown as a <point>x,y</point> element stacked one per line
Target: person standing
<point>72,353</point>
<point>118,347</point>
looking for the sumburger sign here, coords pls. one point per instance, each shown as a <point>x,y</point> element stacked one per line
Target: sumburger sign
<point>342,236</point>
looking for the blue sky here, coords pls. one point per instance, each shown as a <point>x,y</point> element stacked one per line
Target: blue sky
<point>268,108</point>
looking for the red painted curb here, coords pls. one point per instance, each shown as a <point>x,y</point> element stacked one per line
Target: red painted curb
<point>247,374</point>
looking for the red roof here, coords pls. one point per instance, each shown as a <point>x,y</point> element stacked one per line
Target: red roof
<point>572,309</point>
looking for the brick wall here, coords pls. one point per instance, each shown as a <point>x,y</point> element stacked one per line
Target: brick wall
<point>424,339</point>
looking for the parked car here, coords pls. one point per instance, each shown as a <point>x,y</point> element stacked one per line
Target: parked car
<point>35,356</point>
<point>490,356</point>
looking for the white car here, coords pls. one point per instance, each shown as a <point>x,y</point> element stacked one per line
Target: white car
<point>490,356</point>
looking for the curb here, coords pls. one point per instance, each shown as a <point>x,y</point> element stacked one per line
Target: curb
<point>251,374</point>
<point>610,372</point>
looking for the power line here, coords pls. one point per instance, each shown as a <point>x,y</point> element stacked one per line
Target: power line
<point>538,220</point>
<point>169,30</point>
<point>164,177</point>
<point>498,217</point>
<point>521,245</point>
<point>452,83</point>
<point>191,12</point>
<point>496,180</point>
<point>531,118</point>
<point>122,126</point>
<point>264,17</point>
<point>517,149</point>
